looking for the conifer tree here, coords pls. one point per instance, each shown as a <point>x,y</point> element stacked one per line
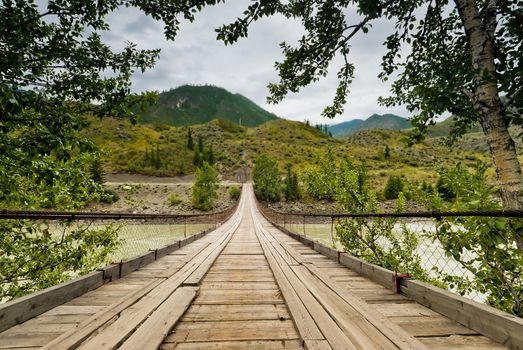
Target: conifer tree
<point>157,158</point>
<point>190,142</point>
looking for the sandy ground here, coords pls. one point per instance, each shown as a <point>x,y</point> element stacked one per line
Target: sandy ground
<point>148,194</point>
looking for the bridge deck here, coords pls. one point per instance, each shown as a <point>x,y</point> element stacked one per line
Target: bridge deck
<point>244,286</point>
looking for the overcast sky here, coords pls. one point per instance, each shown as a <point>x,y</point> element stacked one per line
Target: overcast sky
<point>196,57</point>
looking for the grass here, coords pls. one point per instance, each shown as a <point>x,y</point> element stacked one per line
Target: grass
<point>128,148</point>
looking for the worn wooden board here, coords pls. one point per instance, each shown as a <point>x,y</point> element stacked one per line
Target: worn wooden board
<point>242,312</point>
<point>24,308</point>
<point>151,333</point>
<point>233,330</point>
<point>497,325</point>
<point>238,345</point>
<point>232,297</point>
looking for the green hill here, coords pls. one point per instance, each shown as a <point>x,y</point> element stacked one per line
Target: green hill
<point>191,105</point>
<point>375,121</point>
<point>128,148</point>
<point>443,128</point>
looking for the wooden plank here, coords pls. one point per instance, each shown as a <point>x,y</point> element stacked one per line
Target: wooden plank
<point>461,342</point>
<point>372,320</point>
<point>131,317</point>
<point>500,326</point>
<point>135,263</point>
<point>239,345</point>
<point>360,332</point>
<point>373,272</point>
<point>236,312</point>
<point>232,297</point>
<point>82,331</point>
<point>151,333</point>
<point>432,326</point>
<point>239,285</point>
<point>316,345</point>
<point>29,306</point>
<point>311,319</point>
<point>232,330</point>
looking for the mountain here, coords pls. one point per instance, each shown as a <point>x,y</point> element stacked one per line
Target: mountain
<point>189,105</point>
<point>443,128</point>
<point>375,121</point>
<point>345,128</point>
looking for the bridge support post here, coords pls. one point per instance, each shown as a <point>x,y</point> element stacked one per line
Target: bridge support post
<point>184,227</point>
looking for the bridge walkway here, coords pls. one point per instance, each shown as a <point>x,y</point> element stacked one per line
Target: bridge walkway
<point>246,285</point>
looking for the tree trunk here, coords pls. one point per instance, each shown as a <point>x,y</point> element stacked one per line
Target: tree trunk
<point>480,34</point>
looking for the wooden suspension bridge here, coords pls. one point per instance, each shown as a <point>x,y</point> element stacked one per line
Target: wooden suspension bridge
<point>249,285</point>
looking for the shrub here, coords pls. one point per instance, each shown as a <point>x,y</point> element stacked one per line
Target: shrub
<point>110,196</point>
<point>485,246</point>
<point>393,187</point>
<point>291,186</point>
<point>96,171</point>
<point>234,193</point>
<point>174,199</point>
<point>266,178</point>
<point>204,189</point>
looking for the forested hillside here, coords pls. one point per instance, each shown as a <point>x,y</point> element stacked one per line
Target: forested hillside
<point>190,105</point>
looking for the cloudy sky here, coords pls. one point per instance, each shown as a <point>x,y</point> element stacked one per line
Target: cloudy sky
<point>196,57</point>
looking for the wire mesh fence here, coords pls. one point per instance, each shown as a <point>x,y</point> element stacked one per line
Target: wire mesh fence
<point>473,254</point>
<point>41,249</point>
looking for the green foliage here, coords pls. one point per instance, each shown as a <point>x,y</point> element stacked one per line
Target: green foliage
<point>393,187</point>
<point>437,75</point>
<point>54,78</point>
<point>363,237</point>
<point>485,246</point>
<point>235,192</point>
<point>444,185</point>
<point>190,142</point>
<point>197,157</point>
<point>386,152</point>
<point>204,190</point>
<point>157,162</point>
<point>320,180</point>
<point>97,172</point>
<point>173,199</point>
<point>266,178</point>
<point>203,154</point>
<point>208,155</point>
<point>36,256</point>
<point>291,185</point>
<point>110,196</point>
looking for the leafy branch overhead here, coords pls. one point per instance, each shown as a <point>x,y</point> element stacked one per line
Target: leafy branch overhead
<point>460,57</point>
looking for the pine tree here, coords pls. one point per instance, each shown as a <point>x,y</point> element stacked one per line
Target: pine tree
<point>291,189</point>
<point>197,157</point>
<point>97,172</point>
<point>190,142</point>
<point>386,152</point>
<point>210,155</point>
<point>200,143</point>
<point>157,158</point>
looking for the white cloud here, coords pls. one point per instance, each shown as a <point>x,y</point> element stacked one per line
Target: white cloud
<point>196,57</point>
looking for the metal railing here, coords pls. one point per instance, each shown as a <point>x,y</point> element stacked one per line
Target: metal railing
<point>81,242</point>
<point>138,232</point>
